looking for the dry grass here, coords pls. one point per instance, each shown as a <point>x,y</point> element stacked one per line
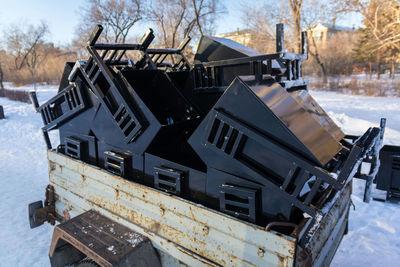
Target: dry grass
<point>49,71</point>
<point>357,85</point>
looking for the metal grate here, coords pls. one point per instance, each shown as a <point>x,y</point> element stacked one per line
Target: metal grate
<point>64,106</point>
<point>224,136</point>
<point>168,179</point>
<point>238,201</point>
<point>117,163</point>
<point>76,148</point>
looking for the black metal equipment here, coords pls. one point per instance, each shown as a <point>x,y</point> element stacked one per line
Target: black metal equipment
<point>388,177</point>
<point>1,113</point>
<point>236,131</point>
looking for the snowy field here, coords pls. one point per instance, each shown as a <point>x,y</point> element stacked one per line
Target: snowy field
<point>374,230</point>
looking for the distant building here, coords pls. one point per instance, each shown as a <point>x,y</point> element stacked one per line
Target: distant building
<point>323,31</point>
<point>241,36</point>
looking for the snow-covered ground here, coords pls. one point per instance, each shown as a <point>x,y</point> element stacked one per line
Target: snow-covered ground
<point>23,178</point>
<point>374,232</point>
<point>374,229</point>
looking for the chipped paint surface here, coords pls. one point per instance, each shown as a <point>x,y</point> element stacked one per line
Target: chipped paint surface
<point>323,244</point>
<point>191,233</point>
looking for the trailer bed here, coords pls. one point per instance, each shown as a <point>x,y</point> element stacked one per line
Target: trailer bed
<point>187,233</point>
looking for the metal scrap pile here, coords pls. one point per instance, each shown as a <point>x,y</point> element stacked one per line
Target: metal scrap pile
<point>236,131</point>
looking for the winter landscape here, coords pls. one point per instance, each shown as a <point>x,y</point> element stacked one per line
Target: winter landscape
<point>349,51</point>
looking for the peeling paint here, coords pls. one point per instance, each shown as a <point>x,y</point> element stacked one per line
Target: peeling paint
<point>193,229</point>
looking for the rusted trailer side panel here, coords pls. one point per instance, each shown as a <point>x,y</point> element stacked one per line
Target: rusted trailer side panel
<point>190,233</point>
<point>327,236</point>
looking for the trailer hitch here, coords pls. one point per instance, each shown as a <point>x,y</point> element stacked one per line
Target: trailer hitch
<point>39,214</point>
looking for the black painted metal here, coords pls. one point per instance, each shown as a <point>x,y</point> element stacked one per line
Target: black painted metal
<point>34,100</point>
<point>1,113</point>
<point>168,179</point>
<point>117,163</point>
<point>76,148</point>
<point>200,131</point>
<point>388,178</point>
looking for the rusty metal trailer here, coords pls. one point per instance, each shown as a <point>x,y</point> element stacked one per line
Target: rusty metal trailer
<point>182,232</point>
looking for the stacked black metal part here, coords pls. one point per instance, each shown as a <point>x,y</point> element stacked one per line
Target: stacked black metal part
<point>237,131</point>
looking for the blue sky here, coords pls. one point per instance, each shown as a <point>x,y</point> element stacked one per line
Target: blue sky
<point>63,16</point>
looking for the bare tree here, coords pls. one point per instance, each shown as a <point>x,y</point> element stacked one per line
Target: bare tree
<point>381,19</point>
<point>261,19</point>
<point>295,6</point>
<point>297,15</point>
<point>327,11</point>
<point>176,19</point>
<point>117,17</point>
<point>26,47</point>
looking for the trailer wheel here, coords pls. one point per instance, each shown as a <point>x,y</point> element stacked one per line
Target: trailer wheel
<point>87,262</point>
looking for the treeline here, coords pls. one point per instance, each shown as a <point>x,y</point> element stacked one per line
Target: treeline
<point>374,48</point>
<point>27,58</point>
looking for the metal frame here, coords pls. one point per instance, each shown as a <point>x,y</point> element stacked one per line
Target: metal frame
<point>64,106</point>
<point>351,163</point>
<point>207,74</point>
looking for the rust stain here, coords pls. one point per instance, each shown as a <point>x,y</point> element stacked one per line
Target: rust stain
<point>199,246</point>
<point>192,214</point>
<point>191,255</point>
<point>281,261</point>
<point>206,229</point>
<point>182,263</point>
<point>116,194</point>
<point>260,252</point>
<point>162,210</point>
<point>52,166</point>
<point>168,232</point>
<point>155,227</point>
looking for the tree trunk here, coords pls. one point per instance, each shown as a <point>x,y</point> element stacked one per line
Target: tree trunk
<point>370,68</point>
<point>1,77</point>
<point>295,6</point>
<point>323,70</point>
<point>315,54</point>
<point>196,13</point>
<point>392,67</point>
<point>33,76</point>
<point>378,60</point>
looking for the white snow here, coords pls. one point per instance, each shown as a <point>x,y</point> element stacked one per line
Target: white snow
<point>23,178</point>
<point>374,230</point>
